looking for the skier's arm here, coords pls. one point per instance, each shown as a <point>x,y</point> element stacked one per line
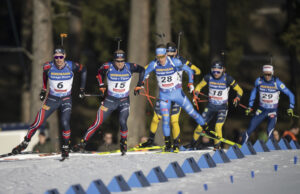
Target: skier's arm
<point>190,73</point>
<point>202,84</point>
<point>138,69</point>
<point>196,70</point>
<point>101,74</point>
<point>287,92</point>
<point>149,69</point>
<point>46,68</point>
<point>81,69</point>
<point>232,83</point>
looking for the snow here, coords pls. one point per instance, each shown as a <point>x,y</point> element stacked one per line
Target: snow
<point>40,175</point>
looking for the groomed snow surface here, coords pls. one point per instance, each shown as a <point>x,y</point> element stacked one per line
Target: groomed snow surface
<point>40,175</point>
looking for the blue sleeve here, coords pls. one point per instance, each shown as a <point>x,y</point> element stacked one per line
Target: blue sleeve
<point>149,69</point>
<point>185,68</point>
<point>253,93</point>
<point>286,91</point>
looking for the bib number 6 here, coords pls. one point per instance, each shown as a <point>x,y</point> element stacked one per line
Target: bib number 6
<point>60,85</point>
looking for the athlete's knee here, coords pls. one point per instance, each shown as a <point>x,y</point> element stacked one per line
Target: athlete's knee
<point>156,118</point>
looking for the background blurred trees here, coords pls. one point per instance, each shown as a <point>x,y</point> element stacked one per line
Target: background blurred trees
<point>249,32</point>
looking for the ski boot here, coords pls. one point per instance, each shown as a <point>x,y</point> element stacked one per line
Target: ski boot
<point>217,146</point>
<point>65,149</point>
<point>167,147</point>
<point>22,146</point>
<point>123,146</point>
<point>80,147</point>
<point>191,145</point>
<point>176,145</point>
<point>148,143</point>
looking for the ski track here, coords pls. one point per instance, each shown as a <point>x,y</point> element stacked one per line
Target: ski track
<point>40,175</point>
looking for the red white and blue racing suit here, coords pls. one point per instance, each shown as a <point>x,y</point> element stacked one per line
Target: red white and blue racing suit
<point>59,97</point>
<point>118,82</point>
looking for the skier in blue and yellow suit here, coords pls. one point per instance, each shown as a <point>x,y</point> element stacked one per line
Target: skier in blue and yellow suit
<point>219,84</point>
<point>175,108</point>
<point>168,76</point>
<point>269,88</point>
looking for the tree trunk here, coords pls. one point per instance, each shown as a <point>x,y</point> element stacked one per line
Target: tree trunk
<point>138,53</point>
<point>163,26</point>
<point>163,21</point>
<point>217,28</point>
<point>26,32</point>
<point>75,26</point>
<point>42,52</point>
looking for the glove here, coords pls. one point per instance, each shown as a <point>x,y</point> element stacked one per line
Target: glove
<point>81,94</point>
<point>137,90</point>
<point>43,95</point>
<point>248,111</point>
<point>205,128</point>
<point>102,90</point>
<point>236,101</point>
<point>191,87</point>
<point>290,112</point>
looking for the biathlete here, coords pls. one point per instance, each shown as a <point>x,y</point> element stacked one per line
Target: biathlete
<point>118,75</point>
<point>175,108</point>
<point>59,73</point>
<point>170,89</point>
<point>269,88</point>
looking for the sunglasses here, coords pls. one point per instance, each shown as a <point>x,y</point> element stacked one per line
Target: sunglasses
<point>120,61</point>
<point>216,72</point>
<point>58,57</point>
<point>161,56</point>
<point>267,74</point>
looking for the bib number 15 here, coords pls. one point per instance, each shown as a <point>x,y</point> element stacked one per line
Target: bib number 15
<point>120,85</point>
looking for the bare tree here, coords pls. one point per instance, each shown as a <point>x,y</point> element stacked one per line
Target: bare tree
<point>75,26</point>
<point>26,32</point>
<point>163,32</point>
<point>42,47</point>
<point>163,20</point>
<point>138,53</point>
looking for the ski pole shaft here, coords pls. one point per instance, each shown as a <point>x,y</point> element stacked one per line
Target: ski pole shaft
<point>195,99</point>
<point>153,97</point>
<point>243,106</point>
<point>88,95</point>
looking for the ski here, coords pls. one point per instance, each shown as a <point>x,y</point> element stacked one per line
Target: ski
<point>11,154</point>
<point>216,137</point>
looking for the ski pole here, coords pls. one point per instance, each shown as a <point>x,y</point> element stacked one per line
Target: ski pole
<point>195,100</point>
<point>89,95</point>
<point>153,97</point>
<point>118,39</point>
<point>62,36</point>
<point>178,41</point>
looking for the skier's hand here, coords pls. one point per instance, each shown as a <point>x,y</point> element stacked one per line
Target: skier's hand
<point>205,128</point>
<point>43,95</point>
<point>102,90</point>
<point>236,101</point>
<point>290,112</point>
<point>81,93</point>
<point>191,87</point>
<point>137,89</point>
<point>248,111</point>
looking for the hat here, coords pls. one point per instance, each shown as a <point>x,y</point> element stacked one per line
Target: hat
<point>268,68</point>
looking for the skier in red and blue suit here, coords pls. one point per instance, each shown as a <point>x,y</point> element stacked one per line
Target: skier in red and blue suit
<point>168,76</point>
<point>269,88</point>
<point>118,74</point>
<point>59,73</point>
